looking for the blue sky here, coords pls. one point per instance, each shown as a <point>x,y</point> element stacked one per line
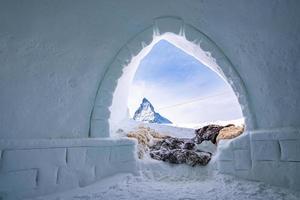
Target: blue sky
<point>168,76</point>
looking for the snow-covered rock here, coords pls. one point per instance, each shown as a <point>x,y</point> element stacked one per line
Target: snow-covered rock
<point>145,137</point>
<point>146,113</point>
<point>178,151</point>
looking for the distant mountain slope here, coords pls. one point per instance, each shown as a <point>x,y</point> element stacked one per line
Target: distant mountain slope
<point>146,113</point>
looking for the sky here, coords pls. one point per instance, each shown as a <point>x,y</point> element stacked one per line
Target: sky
<point>181,88</point>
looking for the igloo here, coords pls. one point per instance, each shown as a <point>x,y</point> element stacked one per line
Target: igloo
<point>65,67</point>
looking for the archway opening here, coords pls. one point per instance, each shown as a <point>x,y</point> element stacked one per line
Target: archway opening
<point>122,108</point>
<point>216,85</point>
<point>110,106</point>
<point>181,89</point>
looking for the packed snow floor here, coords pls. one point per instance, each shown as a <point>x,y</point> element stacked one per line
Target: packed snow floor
<point>163,181</point>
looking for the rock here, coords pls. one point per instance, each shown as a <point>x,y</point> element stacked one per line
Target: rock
<point>209,132</point>
<point>178,151</point>
<point>183,150</point>
<point>230,132</point>
<point>189,145</point>
<point>145,137</point>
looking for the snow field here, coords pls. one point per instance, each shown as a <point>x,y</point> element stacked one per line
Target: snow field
<point>163,181</point>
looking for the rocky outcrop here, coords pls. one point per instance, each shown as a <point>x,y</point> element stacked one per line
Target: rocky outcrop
<point>230,132</point>
<point>182,150</point>
<point>145,137</point>
<point>178,151</point>
<point>215,133</point>
<point>209,132</point>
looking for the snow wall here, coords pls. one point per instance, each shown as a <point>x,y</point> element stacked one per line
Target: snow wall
<point>61,62</point>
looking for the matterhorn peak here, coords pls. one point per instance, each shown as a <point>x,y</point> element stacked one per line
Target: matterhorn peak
<point>146,113</point>
<point>145,100</point>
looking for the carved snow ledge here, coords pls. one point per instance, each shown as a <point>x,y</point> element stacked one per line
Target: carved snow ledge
<point>284,133</point>
<point>62,143</point>
<point>134,46</point>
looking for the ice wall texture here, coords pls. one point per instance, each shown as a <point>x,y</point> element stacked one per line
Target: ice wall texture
<point>53,56</point>
<point>37,167</point>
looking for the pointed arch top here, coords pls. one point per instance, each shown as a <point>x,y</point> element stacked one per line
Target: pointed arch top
<point>208,53</point>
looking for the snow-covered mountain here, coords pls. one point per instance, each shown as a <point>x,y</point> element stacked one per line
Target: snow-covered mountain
<point>146,113</point>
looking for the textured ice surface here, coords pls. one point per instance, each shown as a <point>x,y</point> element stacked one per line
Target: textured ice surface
<point>53,55</point>
<point>161,181</point>
<point>50,72</point>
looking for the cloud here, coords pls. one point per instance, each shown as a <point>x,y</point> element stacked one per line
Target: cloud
<point>222,107</point>
<point>168,76</point>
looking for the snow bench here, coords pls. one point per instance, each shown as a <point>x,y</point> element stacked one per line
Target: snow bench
<point>42,166</point>
<point>272,156</point>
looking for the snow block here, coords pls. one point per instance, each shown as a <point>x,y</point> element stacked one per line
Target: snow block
<point>294,175</point>
<point>224,152</point>
<point>290,150</point>
<point>1,152</point>
<point>116,68</point>
<point>122,153</point>
<point>97,155</point>
<point>242,141</point>
<point>226,167</point>
<point>208,47</point>
<point>104,170</point>
<point>265,150</point>
<point>33,158</point>
<point>168,24</point>
<point>265,170</point>
<point>191,33</point>
<point>124,57</point>
<point>47,178</point>
<point>226,69</point>
<point>87,175</point>
<point>104,97</point>
<point>242,159</point>
<point>286,133</point>
<point>18,180</point>
<point>40,167</point>
<point>67,178</point>
<point>76,157</point>
<point>275,172</point>
<point>139,42</point>
<point>101,112</point>
<point>99,128</point>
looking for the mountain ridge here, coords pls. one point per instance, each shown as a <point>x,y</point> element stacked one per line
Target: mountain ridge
<point>146,113</point>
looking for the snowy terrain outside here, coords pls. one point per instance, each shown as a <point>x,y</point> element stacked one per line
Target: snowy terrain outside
<point>163,181</point>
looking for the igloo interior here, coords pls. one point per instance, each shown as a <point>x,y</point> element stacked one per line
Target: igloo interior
<point>62,67</point>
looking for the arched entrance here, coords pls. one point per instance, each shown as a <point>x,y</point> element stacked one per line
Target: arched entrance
<point>120,72</point>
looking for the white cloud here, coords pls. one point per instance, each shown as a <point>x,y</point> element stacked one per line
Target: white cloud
<point>169,76</point>
<point>223,107</point>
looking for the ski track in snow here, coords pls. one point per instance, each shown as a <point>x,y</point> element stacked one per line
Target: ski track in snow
<point>162,181</point>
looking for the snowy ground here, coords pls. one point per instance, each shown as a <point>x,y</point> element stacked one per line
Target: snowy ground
<point>175,130</point>
<point>163,181</point>
<point>237,122</point>
<point>157,180</point>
